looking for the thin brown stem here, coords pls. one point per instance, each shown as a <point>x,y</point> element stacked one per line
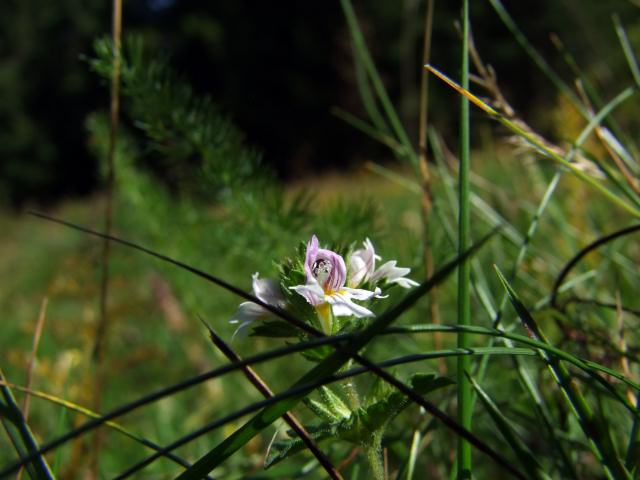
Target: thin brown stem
<point>353,454</point>
<point>32,362</point>
<point>34,350</point>
<point>101,331</point>
<point>264,389</point>
<point>425,175</point>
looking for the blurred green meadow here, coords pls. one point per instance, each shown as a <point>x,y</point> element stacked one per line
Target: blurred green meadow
<point>553,371</point>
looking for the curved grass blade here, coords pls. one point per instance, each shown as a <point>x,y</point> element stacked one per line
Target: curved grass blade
<point>586,365</point>
<point>535,56</point>
<point>38,468</point>
<point>364,57</point>
<point>632,458</point>
<point>370,131</point>
<point>167,391</point>
<point>599,436</point>
<point>341,376</point>
<point>493,113</point>
<point>90,413</point>
<point>582,253</point>
<point>533,468</point>
<point>413,454</point>
<point>542,64</point>
<point>627,49</point>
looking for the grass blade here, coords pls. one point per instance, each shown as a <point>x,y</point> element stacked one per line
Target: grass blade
<point>628,50</point>
<point>589,367</point>
<point>167,391</point>
<point>333,362</point>
<point>535,56</point>
<point>599,436</point>
<point>39,467</point>
<point>364,56</point>
<point>465,400</point>
<point>493,113</point>
<point>582,253</point>
<point>512,439</point>
<point>90,413</point>
<point>342,376</point>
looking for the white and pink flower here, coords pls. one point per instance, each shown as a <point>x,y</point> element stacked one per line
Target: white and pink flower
<point>362,267</point>
<point>330,286</point>
<point>325,287</point>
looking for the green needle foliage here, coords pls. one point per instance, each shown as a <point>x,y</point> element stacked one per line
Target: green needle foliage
<point>199,149</point>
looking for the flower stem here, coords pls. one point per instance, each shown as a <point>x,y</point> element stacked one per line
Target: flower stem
<point>373,451</point>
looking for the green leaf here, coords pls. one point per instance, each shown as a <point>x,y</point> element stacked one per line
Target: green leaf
<point>378,414</point>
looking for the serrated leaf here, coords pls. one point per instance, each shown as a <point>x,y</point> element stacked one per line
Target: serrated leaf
<point>381,412</point>
<point>285,448</point>
<point>334,402</point>
<point>356,427</point>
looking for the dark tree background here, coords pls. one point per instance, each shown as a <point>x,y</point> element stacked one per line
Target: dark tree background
<point>276,68</point>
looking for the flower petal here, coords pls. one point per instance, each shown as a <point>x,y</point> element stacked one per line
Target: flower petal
<point>312,253</point>
<point>248,312</point>
<point>358,270</point>
<point>338,274</point>
<point>268,291</point>
<point>336,270</point>
<point>342,306</point>
<point>312,291</point>
<point>394,274</point>
<point>405,282</point>
<point>358,293</point>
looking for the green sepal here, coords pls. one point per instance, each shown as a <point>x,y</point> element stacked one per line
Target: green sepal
<point>291,274</point>
<point>321,410</point>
